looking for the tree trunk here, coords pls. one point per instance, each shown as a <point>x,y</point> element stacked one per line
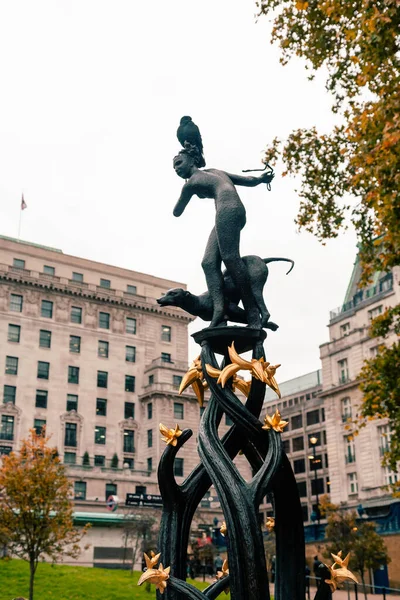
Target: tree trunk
<point>32,567</point>
<point>364,588</point>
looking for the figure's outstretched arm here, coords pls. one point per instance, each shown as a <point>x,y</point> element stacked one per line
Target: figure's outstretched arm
<point>250,181</point>
<point>186,194</point>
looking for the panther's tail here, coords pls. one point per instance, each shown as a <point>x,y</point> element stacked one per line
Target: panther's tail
<point>270,260</point>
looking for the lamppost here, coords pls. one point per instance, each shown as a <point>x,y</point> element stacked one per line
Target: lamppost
<point>314,442</point>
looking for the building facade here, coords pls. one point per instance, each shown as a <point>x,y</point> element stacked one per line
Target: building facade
<point>88,353</point>
<point>355,471</point>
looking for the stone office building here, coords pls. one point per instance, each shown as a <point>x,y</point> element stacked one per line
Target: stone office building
<point>87,352</point>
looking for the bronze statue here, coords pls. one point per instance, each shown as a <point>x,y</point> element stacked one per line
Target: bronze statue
<point>230,218</point>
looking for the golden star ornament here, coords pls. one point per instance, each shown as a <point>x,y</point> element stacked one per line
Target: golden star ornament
<point>195,378</point>
<point>223,530</point>
<point>152,560</point>
<point>170,435</point>
<point>157,576</point>
<point>275,422</point>
<point>270,523</point>
<point>341,573</point>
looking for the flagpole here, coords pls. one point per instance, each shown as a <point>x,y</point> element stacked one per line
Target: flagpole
<point>19,224</point>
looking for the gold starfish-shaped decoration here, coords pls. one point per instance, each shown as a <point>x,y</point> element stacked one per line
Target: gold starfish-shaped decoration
<point>195,378</point>
<point>340,574</point>
<point>275,422</point>
<point>170,435</point>
<point>224,573</point>
<point>152,560</point>
<point>259,368</point>
<point>237,383</point>
<point>157,576</point>
<point>223,530</point>
<point>270,523</point>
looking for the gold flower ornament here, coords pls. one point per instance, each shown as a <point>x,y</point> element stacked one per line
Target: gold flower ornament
<point>195,378</point>
<point>341,573</point>
<point>158,576</point>
<point>170,435</point>
<point>224,573</point>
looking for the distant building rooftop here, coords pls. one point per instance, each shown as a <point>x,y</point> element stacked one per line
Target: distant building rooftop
<point>298,384</point>
<point>11,239</point>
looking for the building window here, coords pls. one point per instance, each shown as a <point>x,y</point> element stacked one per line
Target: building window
<point>76,314</point>
<point>352,484</point>
<point>302,488</point>
<point>77,277</point>
<point>129,383</point>
<point>312,417</point>
<point>14,333</point>
<point>111,490</point>
<point>345,329</point>
<point>99,460</point>
<point>375,312</point>
<point>178,410</point>
<point>150,464</point>
<point>9,394</point>
<point>104,320</point>
<point>39,425</point>
<point>44,339</point>
<point>131,289</point>
<point>298,444</point>
<point>47,309</point>
<point>16,302</point>
<point>296,422</point>
<point>43,370</point>
<point>18,263</point>
<point>317,486</point>
<point>228,420</point>
<point>350,455</point>
<point>101,407</point>
<point>73,374</point>
<point>5,450</point>
<point>70,435</point>
<point>385,437</point>
<point>74,344</point>
<point>346,409</point>
<point>129,441</point>
<point>315,463</point>
<point>129,462</point>
<point>72,402</point>
<point>99,435</point>
<point>343,369</point>
<point>390,476</point>
<point>286,446</point>
<point>80,490</point>
<point>7,428</point>
<point>149,438</point>
<point>129,410</point>
<point>11,365</point>
<point>176,381</point>
<point>165,333</point>
<point>130,354</point>
<point>151,379</point>
<point>105,283</point>
<point>41,398</point>
<point>70,458</point>
<point>102,379</point>
<point>102,349</point>
<point>150,410</point>
<point>178,467</point>
<point>299,465</point>
<point>165,357</point>
<point>130,325</point>
<point>47,270</point>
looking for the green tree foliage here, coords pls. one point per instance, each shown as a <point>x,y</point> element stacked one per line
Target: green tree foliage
<point>351,173</point>
<point>346,532</point>
<point>36,511</point>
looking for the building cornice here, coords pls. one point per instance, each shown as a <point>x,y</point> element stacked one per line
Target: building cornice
<point>90,292</point>
<point>338,389</point>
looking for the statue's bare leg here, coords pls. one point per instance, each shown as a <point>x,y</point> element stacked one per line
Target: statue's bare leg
<point>228,227</point>
<point>211,264</point>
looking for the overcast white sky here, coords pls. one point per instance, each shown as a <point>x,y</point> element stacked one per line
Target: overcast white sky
<point>92,94</point>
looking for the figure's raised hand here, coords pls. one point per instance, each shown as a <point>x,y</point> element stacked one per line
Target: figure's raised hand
<point>267,177</point>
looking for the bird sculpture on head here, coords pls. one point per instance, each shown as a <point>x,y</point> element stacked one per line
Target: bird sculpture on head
<point>189,133</point>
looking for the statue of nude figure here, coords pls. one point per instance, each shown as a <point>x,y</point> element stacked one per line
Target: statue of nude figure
<point>223,243</point>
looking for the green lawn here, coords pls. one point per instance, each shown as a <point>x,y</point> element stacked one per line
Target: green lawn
<point>72,583</point>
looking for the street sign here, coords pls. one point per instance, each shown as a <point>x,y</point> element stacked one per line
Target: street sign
<point>112,503</point>
<point>143,500</point>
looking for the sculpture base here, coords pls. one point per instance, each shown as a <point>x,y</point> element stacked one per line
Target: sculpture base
<point>219,338</point>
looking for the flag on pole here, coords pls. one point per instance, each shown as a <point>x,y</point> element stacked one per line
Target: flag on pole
<point>23,203</point>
